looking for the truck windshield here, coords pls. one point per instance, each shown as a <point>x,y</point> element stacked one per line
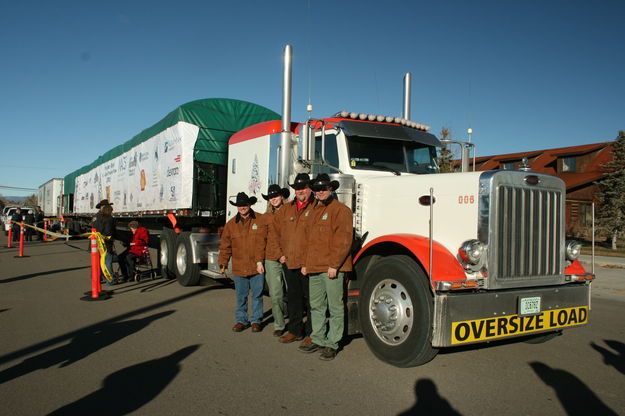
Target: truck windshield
<point>370,153</point>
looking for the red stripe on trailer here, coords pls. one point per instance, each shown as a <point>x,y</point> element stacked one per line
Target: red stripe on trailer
<point>259,130</point>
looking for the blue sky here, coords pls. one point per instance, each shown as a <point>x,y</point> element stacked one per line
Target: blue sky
<point>80,77</point>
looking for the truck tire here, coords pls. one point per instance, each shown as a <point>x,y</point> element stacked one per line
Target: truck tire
<point>187,272</point>
<point>396,312</point>
<point>166,253</point>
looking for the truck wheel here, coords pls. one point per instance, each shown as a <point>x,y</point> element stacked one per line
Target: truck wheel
<point>188,273</point>
<point>396,312</point>
<point>166,253</point>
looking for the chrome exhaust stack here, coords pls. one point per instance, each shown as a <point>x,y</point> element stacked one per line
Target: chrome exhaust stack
<point>285,135</point>
<point>407,85</point>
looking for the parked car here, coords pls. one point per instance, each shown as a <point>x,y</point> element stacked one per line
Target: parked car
<point>7,212</point>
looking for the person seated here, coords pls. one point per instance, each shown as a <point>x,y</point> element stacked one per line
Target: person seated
<point>128,259</point>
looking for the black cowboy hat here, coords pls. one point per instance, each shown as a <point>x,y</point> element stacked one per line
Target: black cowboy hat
<point>243,200</point>
<point>322,181</point>
<point>102,203</point>
<point>302,180</point>
<point>274,191</point>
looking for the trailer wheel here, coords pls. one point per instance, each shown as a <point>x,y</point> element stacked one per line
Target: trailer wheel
<point>166,253</point>
<point>188,273</point>
<point>396,312</point>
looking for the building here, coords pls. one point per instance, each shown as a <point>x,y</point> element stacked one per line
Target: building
<point>578,166</point>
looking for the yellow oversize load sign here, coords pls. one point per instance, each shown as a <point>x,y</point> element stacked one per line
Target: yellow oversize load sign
<point>506,326</point>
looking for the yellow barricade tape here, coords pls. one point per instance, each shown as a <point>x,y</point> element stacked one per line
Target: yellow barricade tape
<point>101,247</point>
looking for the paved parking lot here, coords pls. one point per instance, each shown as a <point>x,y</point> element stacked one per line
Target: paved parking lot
<point>158,348</point>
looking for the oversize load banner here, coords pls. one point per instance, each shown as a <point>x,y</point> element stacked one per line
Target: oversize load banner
<point>505,326</point>
<point>154,175</point>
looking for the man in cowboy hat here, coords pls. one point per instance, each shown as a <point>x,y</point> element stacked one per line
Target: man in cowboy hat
<point>104,202</point>
<point>104,223</point>
<point>327,259</point>
<point>290,230</point>
<point>243,239</point>
<point>274,271</point>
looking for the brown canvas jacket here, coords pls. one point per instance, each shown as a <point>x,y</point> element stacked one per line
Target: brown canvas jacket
<point>272,251</point>
<point>330,238</point>
<point>290,231</point>
<point>244,241</point>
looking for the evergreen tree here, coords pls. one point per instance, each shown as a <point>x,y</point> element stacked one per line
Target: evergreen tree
<point>445,158</point>
<point>611,211</point>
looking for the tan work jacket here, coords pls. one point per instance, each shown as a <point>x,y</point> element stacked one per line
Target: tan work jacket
<point>272,250</point>
<point>290,231</point>
<point>330,237</point>
<point>243,241</point>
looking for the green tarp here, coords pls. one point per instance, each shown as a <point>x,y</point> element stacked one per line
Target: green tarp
<point>217,118</point>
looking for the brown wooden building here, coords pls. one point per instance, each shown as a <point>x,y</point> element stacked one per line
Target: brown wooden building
<point>578,166</point>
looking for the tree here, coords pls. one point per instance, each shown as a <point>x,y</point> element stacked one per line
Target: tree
<point>30,201</point>
<point>611,195</point>
<point>445,158</point>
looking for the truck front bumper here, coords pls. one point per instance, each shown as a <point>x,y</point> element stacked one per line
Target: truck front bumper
<point>470,317</point>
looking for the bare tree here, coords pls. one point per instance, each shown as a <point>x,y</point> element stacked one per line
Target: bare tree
<point>611,211</point>
<point>30,201</point>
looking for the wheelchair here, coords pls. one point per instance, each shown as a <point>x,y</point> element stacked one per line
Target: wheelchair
<point>143,264</point>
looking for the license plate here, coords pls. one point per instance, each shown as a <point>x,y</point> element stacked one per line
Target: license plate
<point>529,306</point>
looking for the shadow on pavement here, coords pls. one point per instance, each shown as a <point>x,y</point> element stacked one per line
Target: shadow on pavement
<point>4,310</point>
<point>609,358</point>
<point>52,341</point>
<point>84,343</point>
<point>429,402</point>
<point>128,389</point>
<point>30,276</point>
<point>576,398</point>
<point>143,286</point>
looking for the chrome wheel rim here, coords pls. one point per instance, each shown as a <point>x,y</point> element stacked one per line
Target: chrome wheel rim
<point>391,312</point>
<point>164,253</point>
<point>181,259</point>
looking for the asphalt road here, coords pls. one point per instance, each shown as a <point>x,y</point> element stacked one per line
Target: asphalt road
<point>157,348</point>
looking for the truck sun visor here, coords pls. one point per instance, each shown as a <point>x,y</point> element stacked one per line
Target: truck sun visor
<point>388,131</point>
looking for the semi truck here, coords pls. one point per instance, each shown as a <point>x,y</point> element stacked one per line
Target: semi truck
<point>440,259</point>
<point>49,196</point>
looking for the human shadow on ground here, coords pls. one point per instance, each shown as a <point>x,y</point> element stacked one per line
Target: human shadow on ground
<point>84,343</point>
<point>31,275</point>
<point>429,402</point>
<point>575,396</point>
<point>4,310</point>
<point>128,389</point>
<point>31,349</point>
<point>609,358</point>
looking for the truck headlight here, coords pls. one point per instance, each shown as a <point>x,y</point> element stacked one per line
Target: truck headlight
<point>573,249</point>
<point>472,251</point>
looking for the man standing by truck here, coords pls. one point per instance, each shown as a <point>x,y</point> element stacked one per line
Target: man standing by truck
<point>244,239</point>
<point>328,258</point>
<point>291,232</point>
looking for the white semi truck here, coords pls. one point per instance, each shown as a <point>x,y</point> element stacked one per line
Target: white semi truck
<point>440,260</point>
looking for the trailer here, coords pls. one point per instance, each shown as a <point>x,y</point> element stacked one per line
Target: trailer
<point>49,197</point>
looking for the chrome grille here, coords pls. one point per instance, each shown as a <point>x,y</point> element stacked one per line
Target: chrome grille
<point>529,233</point>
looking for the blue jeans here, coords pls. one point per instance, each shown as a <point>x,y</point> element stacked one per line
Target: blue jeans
<point>243,286</point>
<point>108,261</point>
